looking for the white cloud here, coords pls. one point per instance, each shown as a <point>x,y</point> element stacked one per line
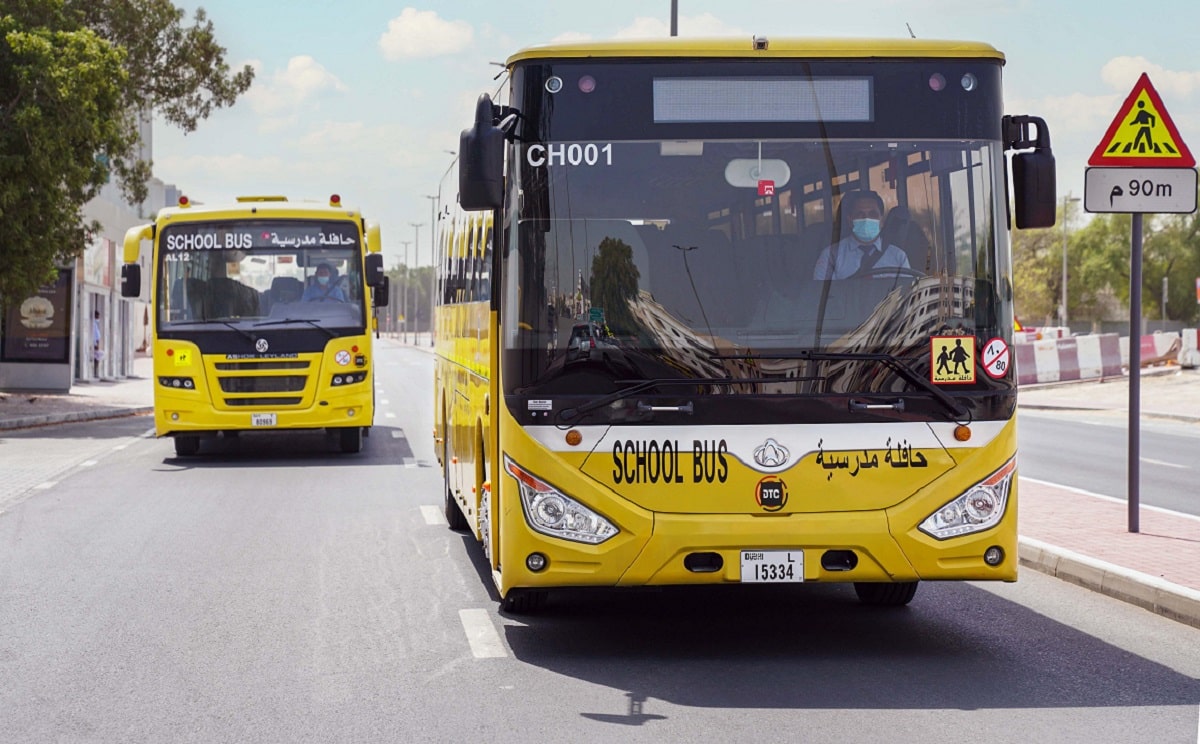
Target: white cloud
<point>421,33</point>
<point>303,79</point>
<point>1121,73</point>
<point>705,24</point>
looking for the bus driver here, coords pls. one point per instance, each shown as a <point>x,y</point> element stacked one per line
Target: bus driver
<point>862,250</point>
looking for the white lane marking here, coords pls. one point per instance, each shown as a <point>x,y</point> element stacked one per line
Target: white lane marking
<point>46,486</point>
<point>384,402</point>
<point>1113,499</point>
<point>389,414</point>
<point>397,434</point>
<point>481,634</point>
<point>87,463</point>
<point>432,515</point>
<point>120,447</point>
<point>1163,463</point>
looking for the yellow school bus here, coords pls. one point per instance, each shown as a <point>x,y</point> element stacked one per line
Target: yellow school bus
<point>718,311</point>
<point>262,313</point>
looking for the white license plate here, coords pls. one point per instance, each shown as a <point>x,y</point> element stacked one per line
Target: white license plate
<point>263,419</point>
<point>769,566</point>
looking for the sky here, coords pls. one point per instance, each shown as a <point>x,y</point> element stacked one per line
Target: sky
<point>367,98</point>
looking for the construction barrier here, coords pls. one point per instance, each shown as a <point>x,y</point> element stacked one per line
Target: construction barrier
<point>1189,355</point>
<point>1090,357</point>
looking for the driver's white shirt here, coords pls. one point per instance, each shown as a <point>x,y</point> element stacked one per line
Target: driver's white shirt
<point>850,253</point>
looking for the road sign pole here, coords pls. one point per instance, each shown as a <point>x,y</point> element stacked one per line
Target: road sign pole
<point>1135,371</point>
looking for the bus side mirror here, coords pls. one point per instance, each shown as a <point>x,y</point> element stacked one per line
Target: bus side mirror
<point>1034,188</point>
<point>374,268</point>
<point>481,161</point>
<point>131,280</point>
<point>383,292</point>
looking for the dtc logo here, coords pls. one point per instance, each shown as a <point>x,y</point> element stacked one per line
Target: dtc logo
<point>771,493</point>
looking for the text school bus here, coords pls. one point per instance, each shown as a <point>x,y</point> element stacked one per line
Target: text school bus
<point>262,317</point>
<point>729,311</point>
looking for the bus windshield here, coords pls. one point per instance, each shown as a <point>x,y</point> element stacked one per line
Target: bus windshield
<point>246,272</point>
<point>718,259</point>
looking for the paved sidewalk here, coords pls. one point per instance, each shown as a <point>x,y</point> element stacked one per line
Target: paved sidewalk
<point>1076,536</point>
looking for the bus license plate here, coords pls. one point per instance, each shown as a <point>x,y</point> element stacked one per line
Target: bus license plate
<point>263,419</point>
<point>760,566</point>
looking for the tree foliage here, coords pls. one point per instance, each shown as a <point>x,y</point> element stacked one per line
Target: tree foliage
<point>1098,269</point>
<point>75,75</point>
<point>614,283</point>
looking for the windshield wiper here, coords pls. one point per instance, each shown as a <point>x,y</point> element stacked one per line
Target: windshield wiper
<point>567,416</point>
<point>310,321</point>
<point>887,360</point>
<point>225,323</point>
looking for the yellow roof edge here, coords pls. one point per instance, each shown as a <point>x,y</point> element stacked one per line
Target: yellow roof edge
<point>743,47</point>
<point>258,210</point>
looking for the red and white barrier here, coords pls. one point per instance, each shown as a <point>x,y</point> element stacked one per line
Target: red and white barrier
<point>1075,358</point>
<point>1189,355</point>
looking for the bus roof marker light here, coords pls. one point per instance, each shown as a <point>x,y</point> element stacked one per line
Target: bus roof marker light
<point>554,84</point>
<point>184,201</point>
<point>335,200</point>
<point>937,82</point>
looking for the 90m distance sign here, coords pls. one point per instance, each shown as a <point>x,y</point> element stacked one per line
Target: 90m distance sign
<point>1138,190</point>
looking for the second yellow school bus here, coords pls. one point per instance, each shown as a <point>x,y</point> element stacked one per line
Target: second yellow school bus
<point>734,311</point>
<point>262,317</point>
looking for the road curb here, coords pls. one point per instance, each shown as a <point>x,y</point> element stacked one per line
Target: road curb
<point>1148,592</point>
<point>47,419</point>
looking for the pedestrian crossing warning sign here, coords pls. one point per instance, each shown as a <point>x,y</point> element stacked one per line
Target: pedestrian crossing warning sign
<point>1142,134</point>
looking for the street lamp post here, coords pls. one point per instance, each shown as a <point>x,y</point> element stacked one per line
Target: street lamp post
<point>1067,200</point>
<point>416,252</point>
<point>435,202</point>
<point>404,290</point>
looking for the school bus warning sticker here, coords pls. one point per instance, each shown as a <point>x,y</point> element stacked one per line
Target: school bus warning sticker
<point>952,359</point>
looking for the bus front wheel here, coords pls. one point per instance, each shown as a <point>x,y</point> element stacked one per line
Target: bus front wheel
<point>187,446</point>
<point>523,601</point>
<point>351,439</point>
<point>895,594</point>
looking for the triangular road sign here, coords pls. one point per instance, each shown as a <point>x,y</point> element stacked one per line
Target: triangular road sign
<point>1142,134</point>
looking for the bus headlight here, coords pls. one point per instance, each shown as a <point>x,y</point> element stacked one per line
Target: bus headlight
<point>551,512</point>
<point>981,507</point>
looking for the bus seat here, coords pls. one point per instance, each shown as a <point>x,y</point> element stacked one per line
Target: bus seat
<point>902,231</point>
<point>189,299</point>
<point>285,289</point>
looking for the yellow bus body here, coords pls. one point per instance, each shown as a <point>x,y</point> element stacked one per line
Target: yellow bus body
<point>213,403</point>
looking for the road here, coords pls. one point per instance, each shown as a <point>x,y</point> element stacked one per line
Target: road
<point>275,591</point>
<point>1090,450</point>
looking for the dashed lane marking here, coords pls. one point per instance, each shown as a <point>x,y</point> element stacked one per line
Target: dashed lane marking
<point>481,634</point>
<point>432,515</point>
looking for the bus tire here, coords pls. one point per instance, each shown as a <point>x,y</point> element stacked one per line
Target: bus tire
<point>454,516</point>
<point>895,594</point>
<point>523,601</point>
<point>186,446</point>
<point>350,439</point>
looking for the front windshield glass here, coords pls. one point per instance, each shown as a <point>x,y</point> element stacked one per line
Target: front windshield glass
<point>244,273</point>
<point>722,259</point>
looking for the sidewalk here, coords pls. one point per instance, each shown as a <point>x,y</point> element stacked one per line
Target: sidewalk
<point>1076,536</point>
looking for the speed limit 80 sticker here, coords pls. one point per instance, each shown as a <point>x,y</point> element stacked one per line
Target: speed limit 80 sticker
<point>995,358</point>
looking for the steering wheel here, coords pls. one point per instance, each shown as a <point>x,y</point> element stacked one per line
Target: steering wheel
<point>890,272</point>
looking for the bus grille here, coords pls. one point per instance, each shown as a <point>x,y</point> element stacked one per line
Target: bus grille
<point>262,401</point>
<point>265,384</point>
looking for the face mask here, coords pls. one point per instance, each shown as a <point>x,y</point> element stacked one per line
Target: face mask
<point>866,230</point>
<point>322,280</point>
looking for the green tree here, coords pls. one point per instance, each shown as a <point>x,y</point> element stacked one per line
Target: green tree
<point>75,75</point>
<point>614,283</point>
